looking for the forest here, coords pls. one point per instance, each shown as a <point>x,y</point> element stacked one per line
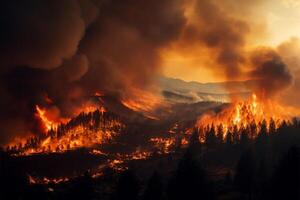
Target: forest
<point>238,166</point>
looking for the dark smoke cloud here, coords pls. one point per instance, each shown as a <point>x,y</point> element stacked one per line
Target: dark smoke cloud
<point>39,33</point>
<point>122,45</point>
<point>270,71</point>
<point>222,33</point>
<point>224,36</point>
<point>69,49</point>
<point>73,69</point>
<point>223,29</point>
<point>34,34</point>
<point>289,50</point>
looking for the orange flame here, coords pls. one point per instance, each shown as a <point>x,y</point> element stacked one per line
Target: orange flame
<point>244,113</point>
<point>41,114</point>
<point>143,101</point>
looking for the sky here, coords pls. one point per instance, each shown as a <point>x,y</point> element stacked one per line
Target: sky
<point>67,50</point>
<point>278,21</point>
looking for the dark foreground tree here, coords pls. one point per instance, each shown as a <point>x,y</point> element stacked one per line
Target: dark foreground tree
<point>155,188</point>
<point>245,173</point>
<point>195,145</point>
<point>210,137</point>
<point>285,182</point>
<point>127,186</point>
<point>13,180</point>
<point>81,188</point>
<point>190,181</point>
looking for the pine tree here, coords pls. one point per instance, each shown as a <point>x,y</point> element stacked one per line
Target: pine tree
<point>229,139</point>
<point>262,178</point>
<point>127,186</point>
<point>245,140</point>
<point>253,129</point>
<point>286,179</point>
<point>235,135</point>
<point>262,140</point>
<point>190,181</point>
<point>210,138</point>
<point>220,133</point>
<point>272,126</point>
<point>155,188</point>
<point>82,188</point>
<point>195,144</point>
<point>245,173</point>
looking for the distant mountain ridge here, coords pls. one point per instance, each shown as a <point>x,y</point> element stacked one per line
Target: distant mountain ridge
<point>177,90</point>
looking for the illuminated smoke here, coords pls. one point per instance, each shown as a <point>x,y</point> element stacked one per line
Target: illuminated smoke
<point>69,49</point>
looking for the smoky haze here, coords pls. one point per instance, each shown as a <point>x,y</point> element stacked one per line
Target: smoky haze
<point>69,49</point>
<point>223,31</point>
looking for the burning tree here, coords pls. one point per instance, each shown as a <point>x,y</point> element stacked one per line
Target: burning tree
<point>250,116</point>
<point>85,130</point>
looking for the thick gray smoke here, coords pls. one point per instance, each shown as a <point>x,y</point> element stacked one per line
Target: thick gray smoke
<point>69,49</point>
<point>270,72</point>
<point>223,30</point>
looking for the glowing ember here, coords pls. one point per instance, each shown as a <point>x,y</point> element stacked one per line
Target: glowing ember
<point>36,180</point>
<point>184,142</point>
<point>163,144</point>
<point>97,152</point>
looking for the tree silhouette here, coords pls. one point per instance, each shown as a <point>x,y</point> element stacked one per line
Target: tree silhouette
<point>229,139</point>
<point>190,181</point>
<point>13,180</point>
<point>253,129</point>
<point>286,178</point>
<point>155,188</point>
<point>272,126</point>
<point>245,173</point>
<point>210,138</point>
<point>127,186</point>
<point>235,135</point>
<point>195,144</point>
<point>82,188</point>
<point>245,140</point>
<point>262,134</point>
<point>220,133</point>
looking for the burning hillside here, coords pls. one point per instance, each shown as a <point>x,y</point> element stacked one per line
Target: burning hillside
<point>86,130</point>
<point>97,87</point>
<point>243,114</point>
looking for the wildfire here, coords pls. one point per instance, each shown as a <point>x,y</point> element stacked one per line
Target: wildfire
<point>86,130</point>
<point>143,101</point>
<point>63,134</point>
<point>36,180</point>
<point>243,114</point>
<point>41,114</point>
<point>75,138</point>
<point>163,144</point>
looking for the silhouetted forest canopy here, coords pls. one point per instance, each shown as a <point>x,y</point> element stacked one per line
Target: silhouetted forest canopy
<point>238,166</point>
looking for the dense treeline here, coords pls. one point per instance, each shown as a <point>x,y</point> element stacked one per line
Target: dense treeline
<point>253,168</point>
<point>92,121</point>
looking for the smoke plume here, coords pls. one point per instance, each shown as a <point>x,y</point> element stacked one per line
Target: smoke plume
<point>54,53</point>
<point>221,31</point>
<point>68,49</point>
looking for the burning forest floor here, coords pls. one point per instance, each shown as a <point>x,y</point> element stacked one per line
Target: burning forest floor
<point>98,146</point>
<point>107,134</point>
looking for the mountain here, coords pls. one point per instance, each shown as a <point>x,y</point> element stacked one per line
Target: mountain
<point>179,91</point>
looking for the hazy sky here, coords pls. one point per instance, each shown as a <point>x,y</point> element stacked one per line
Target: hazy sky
<point>276,22</point>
